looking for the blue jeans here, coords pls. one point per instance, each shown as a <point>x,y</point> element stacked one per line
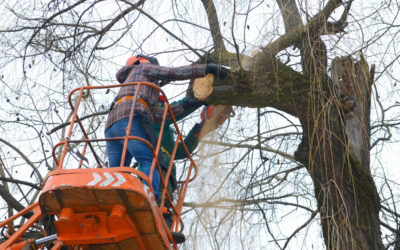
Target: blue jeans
<point>136,148</point>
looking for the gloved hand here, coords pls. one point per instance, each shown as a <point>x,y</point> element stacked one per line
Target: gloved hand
<point>190,96</point>
<point>217,70</point>
<point>197,129</point>
<point>220,116</point>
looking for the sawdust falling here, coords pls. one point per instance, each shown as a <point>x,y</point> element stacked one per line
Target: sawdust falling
<point>209,160</point>
<point>247,61</point>
<point>214,121</point>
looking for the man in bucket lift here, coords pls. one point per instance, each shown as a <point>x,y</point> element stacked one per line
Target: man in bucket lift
<point>144,69</point>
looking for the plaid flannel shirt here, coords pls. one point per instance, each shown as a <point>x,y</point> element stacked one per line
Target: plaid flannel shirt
<point>148,73</point>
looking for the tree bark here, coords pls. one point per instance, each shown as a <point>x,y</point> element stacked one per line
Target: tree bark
<point>347,198</point>
<point>268,83</point>
<point>335,144</point>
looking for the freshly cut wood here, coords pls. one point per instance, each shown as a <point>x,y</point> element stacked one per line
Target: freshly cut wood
<point>203,87</point>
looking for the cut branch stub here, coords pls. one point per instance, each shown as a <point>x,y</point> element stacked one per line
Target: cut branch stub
<point>353,81</point>
<point>203,87</point>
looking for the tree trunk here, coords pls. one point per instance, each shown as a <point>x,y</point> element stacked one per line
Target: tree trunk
<point>334,149</point>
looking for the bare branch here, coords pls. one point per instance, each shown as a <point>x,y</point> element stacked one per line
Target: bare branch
<point>300,228</point>
<point>25,158</point>
<point>166,30</point>
<point>290,14</point>
<point>20,182</point>
<point>214,25</point>
<point>12,202</point>
<point>292,38</point>
<point>82,119</point>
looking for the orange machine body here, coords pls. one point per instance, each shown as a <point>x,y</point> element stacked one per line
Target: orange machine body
<point>104,206</point>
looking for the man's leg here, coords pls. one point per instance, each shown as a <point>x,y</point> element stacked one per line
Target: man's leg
<point>114,147</point>
<point>143,154</point>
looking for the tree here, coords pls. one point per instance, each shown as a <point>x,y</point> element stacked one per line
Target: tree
<point>308,70</point>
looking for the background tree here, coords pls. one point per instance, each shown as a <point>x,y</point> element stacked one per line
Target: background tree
<point>307,148</point>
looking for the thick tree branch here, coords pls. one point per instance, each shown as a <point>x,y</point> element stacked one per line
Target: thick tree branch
<point>214,25</point>
<point>12,202</point>
<point>292,38</point>
<point>268,84</point>
<point>276,85</point>
<point>290,14</point>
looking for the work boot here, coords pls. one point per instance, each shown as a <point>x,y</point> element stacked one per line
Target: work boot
<point>178,237</point>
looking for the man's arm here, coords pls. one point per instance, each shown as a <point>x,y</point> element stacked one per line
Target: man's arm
<point>181,109</point>
<point>191,142</point>
<point>215,116</point>
<point>184,72</point>
<point>172,74</point>
<point>167,74</point>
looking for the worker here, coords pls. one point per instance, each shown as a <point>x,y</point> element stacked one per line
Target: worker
<point>144,69</point>
<point>191,140</point>
<point>182,108</point>
<point>187,105</point>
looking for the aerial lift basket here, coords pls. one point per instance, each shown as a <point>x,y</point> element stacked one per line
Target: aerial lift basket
<point>101,208</point>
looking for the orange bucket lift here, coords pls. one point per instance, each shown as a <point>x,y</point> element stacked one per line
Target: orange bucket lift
<point>99,207</point>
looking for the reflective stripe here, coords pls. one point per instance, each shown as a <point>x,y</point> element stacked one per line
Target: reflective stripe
<point>165,151</point>
<point>129,97</point>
